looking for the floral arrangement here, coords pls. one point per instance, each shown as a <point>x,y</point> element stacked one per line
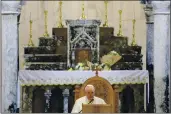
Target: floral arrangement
<point>106,62</point>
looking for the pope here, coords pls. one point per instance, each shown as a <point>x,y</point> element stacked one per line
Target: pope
<point>89,98</point>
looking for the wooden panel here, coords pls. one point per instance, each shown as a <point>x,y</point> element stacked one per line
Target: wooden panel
<point>97,108</point>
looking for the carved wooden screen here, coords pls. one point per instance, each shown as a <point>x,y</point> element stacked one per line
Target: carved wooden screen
<point>103,90</point>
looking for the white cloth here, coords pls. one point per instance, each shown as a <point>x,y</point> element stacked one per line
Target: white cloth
<point>83,100</point>
<point>40,77</point>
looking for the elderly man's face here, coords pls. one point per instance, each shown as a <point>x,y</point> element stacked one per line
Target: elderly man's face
<point>89,92</point>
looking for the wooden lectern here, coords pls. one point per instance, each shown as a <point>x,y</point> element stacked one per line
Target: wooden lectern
<point>104,91</point>
<point>97,108</point>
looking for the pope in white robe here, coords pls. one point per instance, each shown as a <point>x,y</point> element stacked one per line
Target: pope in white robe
<point>89,98</point>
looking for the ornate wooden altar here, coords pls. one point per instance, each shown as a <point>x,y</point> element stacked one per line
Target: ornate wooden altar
<point>103,89</point>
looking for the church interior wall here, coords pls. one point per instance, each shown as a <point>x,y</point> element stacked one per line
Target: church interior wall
<point>72,10</point>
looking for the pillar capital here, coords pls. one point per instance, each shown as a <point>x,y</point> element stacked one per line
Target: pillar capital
<point>148,9</point>
<point>65,92</point>
<point>11,7</point>
<point>161,7</point>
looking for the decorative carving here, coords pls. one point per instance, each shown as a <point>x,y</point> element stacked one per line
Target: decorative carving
<point>65,95</point>
<point>27,99</point>
<point>83,34</point>
<point>47,94</point>
<point>105,90</point>
<point>149,13</point>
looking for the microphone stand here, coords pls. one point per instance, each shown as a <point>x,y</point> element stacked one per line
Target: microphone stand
<point>88,103</point>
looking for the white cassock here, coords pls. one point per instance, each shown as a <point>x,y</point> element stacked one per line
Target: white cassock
<point>83,100</point>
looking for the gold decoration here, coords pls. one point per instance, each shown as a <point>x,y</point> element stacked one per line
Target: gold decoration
<point>46,30</point>
<point>120,23</point>
<point>106,16</point>
<point>133,34</point>
<point>97,69</point>
<point>30,39</point>
<point>60,25</point>
<point>83,12</point>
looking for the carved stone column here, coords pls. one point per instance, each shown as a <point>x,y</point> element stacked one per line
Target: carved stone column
<point>10,11</point>
<point>149,56</point>
<point>65,95</point>
<point>47,95</point>
<point>27,96</point>
<point>116,88</point>
<point>161,10</point>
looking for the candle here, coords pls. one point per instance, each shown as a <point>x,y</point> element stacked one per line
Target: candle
<point>30,15</point>
<point>134,9</point>
<point>121,5</point>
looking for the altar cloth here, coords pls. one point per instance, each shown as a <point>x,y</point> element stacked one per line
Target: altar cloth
<point>40,77</point>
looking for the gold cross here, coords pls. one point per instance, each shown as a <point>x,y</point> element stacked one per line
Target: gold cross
<point>97,69</point>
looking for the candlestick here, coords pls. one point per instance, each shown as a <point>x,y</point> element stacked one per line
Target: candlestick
<point>30,39</point>
<point>106,16</point>
<point>60,25</point>
<point>83,12</point>
<point>46,29</point>
<point>133,34</point>
<point>120,23</point>
<point>134,10</point>
<point>30,15</point>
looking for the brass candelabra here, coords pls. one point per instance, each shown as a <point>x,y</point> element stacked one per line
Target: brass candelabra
<point>106,16</point>
<point>83,12</point>
<point>133,33</point>
<point>60,25</point>
<point>46,34</point>
<point>120,23</point>
<point>30,43</point>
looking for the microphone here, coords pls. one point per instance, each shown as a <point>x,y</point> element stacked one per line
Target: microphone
<point>91,101</point>
<point>88,103</point>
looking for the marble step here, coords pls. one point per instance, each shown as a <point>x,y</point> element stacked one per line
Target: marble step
<point>40,50</point>
<point>106,32</point>
<point>46,66</point>
<point>114,41</point>
<point>131,58</point>
<point>128,49</point>
<point>46,58</point>
<point>127,66</point>
<point>60,33</point>
<point>135,50</point>
<point>47,42</point>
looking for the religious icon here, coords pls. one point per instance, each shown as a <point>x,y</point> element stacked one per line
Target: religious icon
<point>83,56</point>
